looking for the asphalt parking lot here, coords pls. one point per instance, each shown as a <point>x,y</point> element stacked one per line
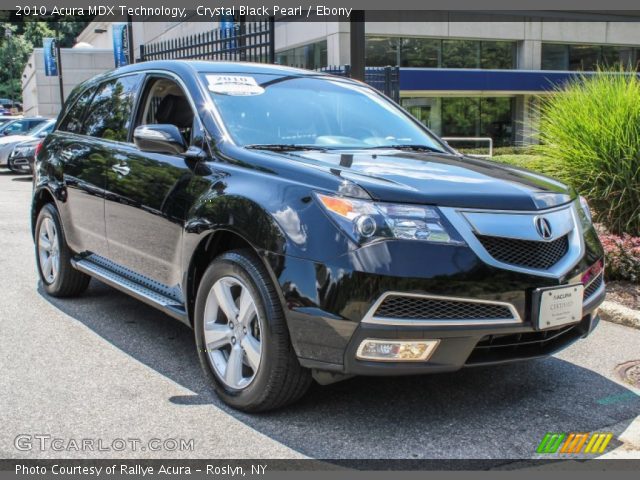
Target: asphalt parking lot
<point>107,366</point>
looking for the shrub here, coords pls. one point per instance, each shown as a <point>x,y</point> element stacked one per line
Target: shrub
<point>592,128</point>
<point>524,150</point>
<point>536,163</point>
<point>622,255</point>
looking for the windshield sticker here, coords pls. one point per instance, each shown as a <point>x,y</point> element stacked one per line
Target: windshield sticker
<point>234,85</point>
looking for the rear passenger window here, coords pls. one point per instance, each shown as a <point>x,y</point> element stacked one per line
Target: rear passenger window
<point>110,112</point>
<point>73,119</point>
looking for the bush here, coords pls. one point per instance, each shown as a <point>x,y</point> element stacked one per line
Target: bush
<point>524,150</point>
<point>622,255</point>
<point>592,128</point>
<point>536,163</point>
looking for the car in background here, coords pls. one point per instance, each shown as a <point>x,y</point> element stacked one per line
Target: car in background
<point>21,125</point>
<point>10,105</point>
<point>8,143</point>
<point>6,118</point>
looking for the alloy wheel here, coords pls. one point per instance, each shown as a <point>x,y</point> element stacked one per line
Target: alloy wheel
<point>49,250</point>
<point>232,332</point>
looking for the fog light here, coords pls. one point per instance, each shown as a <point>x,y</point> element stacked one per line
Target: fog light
<point>396,350</point>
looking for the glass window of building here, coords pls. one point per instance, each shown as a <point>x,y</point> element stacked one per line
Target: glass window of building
<point>498,55</point>
<point>466,116</point>
<point>460,54</point>
<point>419,53</point>
<point>556,56</point>
<point>310,56</point>
<point>584,57</point>
<point>439,53</point>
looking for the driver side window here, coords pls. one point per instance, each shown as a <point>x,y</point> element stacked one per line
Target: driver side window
<point>166,103</point>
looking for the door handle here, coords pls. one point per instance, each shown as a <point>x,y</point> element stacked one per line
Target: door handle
<point>121,169</point>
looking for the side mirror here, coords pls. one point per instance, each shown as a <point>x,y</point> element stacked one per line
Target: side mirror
<point>160,138</point>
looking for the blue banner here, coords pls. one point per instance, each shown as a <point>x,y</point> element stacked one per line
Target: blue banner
<point>121,44</point>
<point>228,30</point>
<point>50,57</point>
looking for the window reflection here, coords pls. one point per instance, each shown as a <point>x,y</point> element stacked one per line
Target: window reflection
<point>558,56</point>
<point>440,53</point>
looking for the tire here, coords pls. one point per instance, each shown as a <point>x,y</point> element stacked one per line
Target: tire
<point>278,379</point>
<point>59,278</point>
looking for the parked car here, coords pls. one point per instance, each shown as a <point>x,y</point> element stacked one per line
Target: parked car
<point>8,144</point>
<point>20,126</point>
<point>306,227</point>
<point>6,118</point>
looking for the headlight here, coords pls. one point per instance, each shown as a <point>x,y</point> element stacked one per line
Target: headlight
<point>585,214</point>
<point>364,220</point>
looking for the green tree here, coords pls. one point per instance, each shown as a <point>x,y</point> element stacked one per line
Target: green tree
<point>19,38</point>
<point>14,51</point>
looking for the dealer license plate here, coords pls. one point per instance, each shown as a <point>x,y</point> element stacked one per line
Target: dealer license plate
<point>560,306</point>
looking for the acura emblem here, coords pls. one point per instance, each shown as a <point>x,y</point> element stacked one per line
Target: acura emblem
<point>543,227</point>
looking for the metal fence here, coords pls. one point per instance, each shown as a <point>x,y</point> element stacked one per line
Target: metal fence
<point>245,42</point>
<point>254,42</point>
<point>385,79</point>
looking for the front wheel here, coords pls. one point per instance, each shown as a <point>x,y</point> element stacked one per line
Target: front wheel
<point>242,337</point>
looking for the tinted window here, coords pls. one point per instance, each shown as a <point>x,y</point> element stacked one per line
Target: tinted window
<point>73,120</point>
<point>110,112</point>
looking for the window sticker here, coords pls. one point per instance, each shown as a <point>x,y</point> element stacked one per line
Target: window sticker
<point>234,85</point>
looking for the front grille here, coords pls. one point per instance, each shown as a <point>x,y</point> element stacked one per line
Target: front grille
<point>424,308</point>
<point>593,286</point>
<point>526,253</point>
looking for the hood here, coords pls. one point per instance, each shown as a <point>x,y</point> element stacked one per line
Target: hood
<point>439,179</point>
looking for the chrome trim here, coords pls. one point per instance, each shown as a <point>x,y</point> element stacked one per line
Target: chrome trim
<point>519,225</point>
<point>426,322</point>
<point>136,290</point>
<point>502,225</point>
<point>432,344</point>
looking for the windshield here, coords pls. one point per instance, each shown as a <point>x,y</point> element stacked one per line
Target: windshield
<point>260,109</point>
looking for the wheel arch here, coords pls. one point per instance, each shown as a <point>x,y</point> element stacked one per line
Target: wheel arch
<point>41,197</point>
<point>211,245</point>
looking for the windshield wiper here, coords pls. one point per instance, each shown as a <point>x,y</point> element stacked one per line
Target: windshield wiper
<point>283,147</point>
<point>408,146</point>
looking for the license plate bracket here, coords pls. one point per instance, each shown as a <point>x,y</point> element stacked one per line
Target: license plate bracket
<point>557,306</point>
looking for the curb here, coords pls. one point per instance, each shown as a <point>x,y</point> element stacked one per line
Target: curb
<point>616,313</point>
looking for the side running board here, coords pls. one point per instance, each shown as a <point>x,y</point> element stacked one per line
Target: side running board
<point>130,283</point>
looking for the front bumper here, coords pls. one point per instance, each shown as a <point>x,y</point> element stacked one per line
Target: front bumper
<point>325,306</point>
<point>470,346</point>
<point>21,164</point>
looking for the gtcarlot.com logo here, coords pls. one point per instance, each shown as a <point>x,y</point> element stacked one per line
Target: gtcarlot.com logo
<point>44,442</point>
<point>574,443</point>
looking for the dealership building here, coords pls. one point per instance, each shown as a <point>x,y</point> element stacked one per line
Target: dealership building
<point>460,76</point>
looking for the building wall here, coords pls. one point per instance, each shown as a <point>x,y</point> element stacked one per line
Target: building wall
<point>41,94</point>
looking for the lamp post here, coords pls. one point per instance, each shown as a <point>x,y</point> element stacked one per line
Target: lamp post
<point>59,61</point>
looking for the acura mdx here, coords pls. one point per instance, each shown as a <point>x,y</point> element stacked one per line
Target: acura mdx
<point>306,227</point>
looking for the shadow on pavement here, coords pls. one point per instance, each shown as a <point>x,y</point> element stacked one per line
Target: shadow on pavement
<point>500,412</point>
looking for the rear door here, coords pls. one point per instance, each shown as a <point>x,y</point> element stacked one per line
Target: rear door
<point>147,193</point>
<point>94,138</point>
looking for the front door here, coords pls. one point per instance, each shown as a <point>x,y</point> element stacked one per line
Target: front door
<point>147,196</point>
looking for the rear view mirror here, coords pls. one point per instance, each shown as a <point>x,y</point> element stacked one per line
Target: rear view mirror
<point>159,138</point>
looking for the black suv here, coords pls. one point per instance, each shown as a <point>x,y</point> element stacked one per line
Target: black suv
<point>306,227</point>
